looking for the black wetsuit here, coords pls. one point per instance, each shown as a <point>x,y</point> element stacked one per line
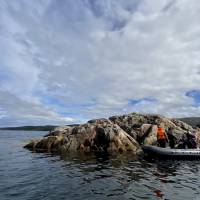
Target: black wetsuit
<point>172,139</point>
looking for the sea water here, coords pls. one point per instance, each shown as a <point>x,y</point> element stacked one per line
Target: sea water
<point>25,175</point>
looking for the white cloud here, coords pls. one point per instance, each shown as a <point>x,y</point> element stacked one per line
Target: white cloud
<point>22,112</point>
<point>90,58</point>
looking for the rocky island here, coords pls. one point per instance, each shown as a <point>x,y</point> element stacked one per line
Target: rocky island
<point>117,134</point>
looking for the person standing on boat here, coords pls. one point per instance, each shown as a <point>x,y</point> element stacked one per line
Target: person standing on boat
<point>162,138</point>
<point>171,138</point>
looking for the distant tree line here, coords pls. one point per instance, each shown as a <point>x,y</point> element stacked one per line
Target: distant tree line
<point>30,128</point>
<point>193,121</point>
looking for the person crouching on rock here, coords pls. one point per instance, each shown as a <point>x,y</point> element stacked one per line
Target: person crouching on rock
<point>162,138</point>
<point>191,140</point>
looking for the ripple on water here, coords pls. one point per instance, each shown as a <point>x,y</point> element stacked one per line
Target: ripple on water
<point>25,175</point>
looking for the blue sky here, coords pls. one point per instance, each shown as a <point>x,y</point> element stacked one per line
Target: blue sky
<point>65,62</point>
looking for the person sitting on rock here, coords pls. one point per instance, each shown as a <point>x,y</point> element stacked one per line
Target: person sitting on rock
<point>171,138</point>
<point>162,138</point>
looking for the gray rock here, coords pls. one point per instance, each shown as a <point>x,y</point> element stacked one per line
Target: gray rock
<point>98,136</point>
<point>118,134</point>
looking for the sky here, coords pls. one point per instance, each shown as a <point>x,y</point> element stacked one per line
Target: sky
<point>67,61</point>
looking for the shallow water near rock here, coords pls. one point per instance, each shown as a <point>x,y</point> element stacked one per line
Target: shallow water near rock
<point>26,175</point>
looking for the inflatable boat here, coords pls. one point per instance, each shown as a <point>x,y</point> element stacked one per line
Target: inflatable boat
<point>167,153</point>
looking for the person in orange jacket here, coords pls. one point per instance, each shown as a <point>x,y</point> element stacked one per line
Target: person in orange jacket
<point>162,138</point>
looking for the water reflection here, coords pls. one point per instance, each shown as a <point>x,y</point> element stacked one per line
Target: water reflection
<point>165,169</point>
<point>50,176</point>
<point>113,176</point>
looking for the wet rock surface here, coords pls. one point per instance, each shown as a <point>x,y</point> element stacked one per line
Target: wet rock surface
<point>118,134</point>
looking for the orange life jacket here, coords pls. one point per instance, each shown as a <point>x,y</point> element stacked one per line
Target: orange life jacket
<point>161,134</point>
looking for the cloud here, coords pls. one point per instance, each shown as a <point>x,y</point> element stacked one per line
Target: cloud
<point>69,61</point>
<point>22,112</point>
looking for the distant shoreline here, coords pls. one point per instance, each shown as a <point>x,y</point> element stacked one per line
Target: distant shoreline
<point>193,121</point>
<point>30,128</point>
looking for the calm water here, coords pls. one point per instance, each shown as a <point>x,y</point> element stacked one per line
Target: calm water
<point>25,175</point>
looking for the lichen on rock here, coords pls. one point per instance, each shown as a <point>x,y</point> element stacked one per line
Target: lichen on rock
<point>94,136</point>
<point>118,134</point>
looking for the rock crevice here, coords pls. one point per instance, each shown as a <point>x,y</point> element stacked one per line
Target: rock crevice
<point>118,134</point>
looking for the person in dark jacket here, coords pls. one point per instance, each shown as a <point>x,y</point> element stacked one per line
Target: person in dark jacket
<point>188,141</point>
<point>171,138</point>
<point>191,140</point>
